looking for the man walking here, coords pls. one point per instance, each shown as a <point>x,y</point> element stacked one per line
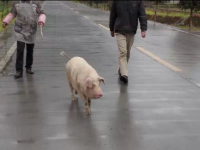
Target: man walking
<point>123,23</point>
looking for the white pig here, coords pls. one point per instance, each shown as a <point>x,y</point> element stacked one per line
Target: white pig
<point>83,80</point>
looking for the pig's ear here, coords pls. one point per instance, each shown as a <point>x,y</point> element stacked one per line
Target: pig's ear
<point>88,82</point>
<point>102,80</point>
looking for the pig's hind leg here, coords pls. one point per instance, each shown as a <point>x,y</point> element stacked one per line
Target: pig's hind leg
<point>72,90</point>
<point>73,93</point>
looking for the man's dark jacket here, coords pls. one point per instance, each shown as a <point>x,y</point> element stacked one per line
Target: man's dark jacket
<point>124,17</point>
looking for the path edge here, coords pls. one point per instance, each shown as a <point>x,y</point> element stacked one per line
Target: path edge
<point>4,61</point>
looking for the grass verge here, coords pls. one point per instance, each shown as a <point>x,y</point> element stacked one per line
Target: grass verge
<point>163,17</point>
<point>174,19</point>
<point>174,14</point>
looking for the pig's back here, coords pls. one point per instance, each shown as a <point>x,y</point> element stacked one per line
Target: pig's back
<point>76,62</point>
<point>78,65</point>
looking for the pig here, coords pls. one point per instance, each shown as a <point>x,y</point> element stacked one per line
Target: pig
<point>84,80</point>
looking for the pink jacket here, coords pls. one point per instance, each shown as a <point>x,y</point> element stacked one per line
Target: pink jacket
<point>10,17</point>
<point>27,33</point>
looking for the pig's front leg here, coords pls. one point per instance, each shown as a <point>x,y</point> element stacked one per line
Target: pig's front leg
<point>87,104</point>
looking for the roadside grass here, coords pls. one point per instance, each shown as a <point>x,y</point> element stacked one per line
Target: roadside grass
<point>171,14</point>
<point>3,14</point>
<point>76,1</point>
<point>104,7</point>
<point>174,14</point>
<point>100,6</point>
<point>160,12</point>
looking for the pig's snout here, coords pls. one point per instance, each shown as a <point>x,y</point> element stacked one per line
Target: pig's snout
<point>99,95</point>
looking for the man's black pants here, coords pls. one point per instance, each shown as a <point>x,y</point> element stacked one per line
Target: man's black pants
<point>20,55</point>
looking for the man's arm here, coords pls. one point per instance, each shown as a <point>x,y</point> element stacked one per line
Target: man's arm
<point>112,17</point>
<point>142,17</point>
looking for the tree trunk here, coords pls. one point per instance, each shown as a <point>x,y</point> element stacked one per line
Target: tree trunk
<point>97,4</point>
<point>191,15</point>
<point>90,3</point>
<point>167,14</point>
<point>155,13</point>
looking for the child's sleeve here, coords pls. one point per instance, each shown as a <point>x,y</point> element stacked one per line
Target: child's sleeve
<point>42,16</point>
<point>11,15</point>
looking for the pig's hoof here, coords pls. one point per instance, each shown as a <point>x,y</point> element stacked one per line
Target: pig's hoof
<point>74,98</point>
<point>88,111</point>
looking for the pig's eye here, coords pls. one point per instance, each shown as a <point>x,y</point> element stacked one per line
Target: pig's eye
<point>92,87</point>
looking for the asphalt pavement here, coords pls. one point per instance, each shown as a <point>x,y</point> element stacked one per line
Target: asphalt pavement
<point>175,46</point>
<point>157,110</point>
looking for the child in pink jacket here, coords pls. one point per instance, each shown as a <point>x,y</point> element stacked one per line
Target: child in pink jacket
<point>28,15</point>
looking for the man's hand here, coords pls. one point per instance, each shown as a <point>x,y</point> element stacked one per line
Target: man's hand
<point>143,34</point>
<point>40,23</point>
<point>4,24</point>
<point>112,34</point>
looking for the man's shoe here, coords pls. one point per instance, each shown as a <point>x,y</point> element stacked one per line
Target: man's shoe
<point>18,74</point>
<point>124,79</point>
<point>29,71</point>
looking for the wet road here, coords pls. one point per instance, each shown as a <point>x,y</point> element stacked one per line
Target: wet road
<point>158,110</point>
<point>176,47</point>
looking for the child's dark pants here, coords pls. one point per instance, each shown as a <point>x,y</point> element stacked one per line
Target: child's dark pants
<point>20,56</point>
